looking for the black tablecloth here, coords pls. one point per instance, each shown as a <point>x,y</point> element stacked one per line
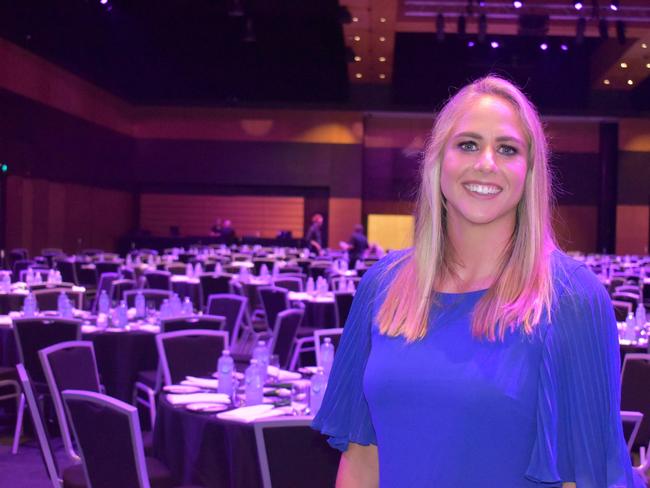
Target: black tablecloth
<point>319,315</point>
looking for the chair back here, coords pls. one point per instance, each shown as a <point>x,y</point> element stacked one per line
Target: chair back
<point>109,437</point>
<point>69,366</point>
<point>290,283</point>
<point>230,306</point>
<point>319,269</point>
<point>259,262</point>
<point>67,270</point>
<point>283,442</point>
<point>190,352</point>
<point>621,309</point>
<point>47,298</point>
<point>196,322</point>
<point>274,300</point>
<point>119,288</point>
<point>631,298</point>
<point>319,336</point>
<point>127,273</point>
<point>21,265</point>
<point>34,334</point>
<point>44,441</point>
<point>212,284</point>
<point>151,296</point>
<point>107,267</point>
<point>635,395</point>
<point>342,306</point>
<point>158,280</point>
<point>631,424</point>
<point>105,284</point>
<point>285,329</point>
<point>86,273</point>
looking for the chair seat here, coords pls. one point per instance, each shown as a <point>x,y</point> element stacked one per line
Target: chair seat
<point>74,477</point>
<point>148,378</point>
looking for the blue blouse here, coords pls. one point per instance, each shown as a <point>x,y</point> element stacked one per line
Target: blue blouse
<point>451,411</point>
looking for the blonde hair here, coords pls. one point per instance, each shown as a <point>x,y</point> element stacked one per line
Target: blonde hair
<point>522,291</point>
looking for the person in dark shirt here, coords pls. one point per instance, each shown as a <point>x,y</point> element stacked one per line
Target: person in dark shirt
<point>227,232</point>
<point>215,230</point>
<point>314,235</point>
<point>356,245</point>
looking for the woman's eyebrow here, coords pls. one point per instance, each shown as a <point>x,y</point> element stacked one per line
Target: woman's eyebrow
<point>474,135</point>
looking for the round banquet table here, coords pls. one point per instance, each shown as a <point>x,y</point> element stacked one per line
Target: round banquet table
<point>120,356</point>
<point>199,448</point>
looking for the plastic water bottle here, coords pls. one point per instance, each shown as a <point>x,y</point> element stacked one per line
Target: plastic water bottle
<point>187,308</point>
<point>30,307</point>
<point>276,269</point>
<point>122,317</point>
<point>261,353</point>
<point>165,312</point>
<point>218,269</point>
<point>6,282</point>
<point>59,278</point>
<point>189,271</point>
<point>225,367</point>
<point>327,356</point>
<point>175,305</point>
<point>254,384</point>
<point>62,304</point>
<point>640,316</point>
<point>104,304</point>
<point>29,276</point>
<point>317,391</point>
<point>310,285</point>
<point>630,327</point>
<point>38,279</point>
<point>140,305</point>
<point>264,271</point>
<point>198,269</point>
<point>343,284</point>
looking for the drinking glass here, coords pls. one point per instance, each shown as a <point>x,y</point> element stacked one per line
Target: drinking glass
<point>274,360</point>
<point>300,397</point>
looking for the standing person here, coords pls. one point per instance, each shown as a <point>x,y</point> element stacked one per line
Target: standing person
<point>357,245</point>
<point>483,356</point>
<point>314,235</point>
<point>215,230</point>
<point>227,232</point>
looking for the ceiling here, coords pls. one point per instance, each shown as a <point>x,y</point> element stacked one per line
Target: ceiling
<point>384,54</point>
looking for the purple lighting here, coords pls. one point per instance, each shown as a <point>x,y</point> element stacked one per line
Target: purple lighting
<point>543,46</point>
<point>577,5</point>
<point>494,44</point>
<point>470,44</point>
<point>103,2</point>
<point>517,4</point>
<point>613,7</point>
<point>564,47</point>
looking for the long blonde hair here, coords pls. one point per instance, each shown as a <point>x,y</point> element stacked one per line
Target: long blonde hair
<point>522,291</point>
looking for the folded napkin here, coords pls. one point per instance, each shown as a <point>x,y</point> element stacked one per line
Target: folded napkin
<point>282,375</point>
<point>89,328</point>
<point>253,413</point>
<point>185,398</point>
<point>150,328</point>
<point>202,382</point>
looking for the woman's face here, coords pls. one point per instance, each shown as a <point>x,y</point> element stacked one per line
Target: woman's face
<point>484,164</point>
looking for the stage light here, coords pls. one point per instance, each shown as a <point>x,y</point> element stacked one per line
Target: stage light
<point>630,82</point>
<point>103,2</point>
<point>382,39</point>
<point>357,38</point>
<point>440,27</point>
<point>564,47</point>
<point>647,65</point>
<point>357,59</point>
<point>517,4</point>
<point>603,29</point>
<point>482,27</point>
<point>382,76</point>
<point>358,76</point>
<point>494,44</point>
<point>644,45</point>
<point>577,5</point>
<point>543,46</point>
<point>382,20</point>
<point>470,44</point>
<point>606,82</point>
<point>4,168</point>
<point>620,31</point>
<point>382,59</point>
<point>581,26</point>
<point>623,65</point>
<point>614,5</point>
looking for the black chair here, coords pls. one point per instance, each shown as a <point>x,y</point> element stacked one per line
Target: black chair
<point>21,265</point>
<point>631,298</point>
<point>211,285</point>
<point>259,262</point>
<point>67,269</point>
<point>342,305</point>
<point>290,283</point>
<point>291,453</point>
<point>107,267</point>
<point>176,268</point>
<point>158,280</point>
<point>119,288</point>
<point>10,389</point>
<point>47,298</point>
<point>621,310</point>
<point>72,476</point>
<point>69,366</point>
<point>233,308</point>
<point>86,274</point>
<point>154,297</point>
<point>108,434</point>
<point>105,284</point>
<point>197,322</point>
<point>127,273</point>
<point>274,300</point>
<point>283,341</point>
<point>635,394</point>
<point>189,353</point>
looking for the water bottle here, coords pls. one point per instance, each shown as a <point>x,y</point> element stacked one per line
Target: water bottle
<point>276,270</point>
<point>51,276</point>
<point>164,309</point>
<point>187,307</point>
<point>140,305</point>
<point>38,279</point>
<point>343,284</point>
<point>630,327</point>
<point>254,384</point>
<point>264,271</point>
<point>61,304</point>
<point>225,367</point>
<point>310,285</point>
<point>317,391</point>
<point>218,269</point>
<point>261,353</point>
<point>175,305</point>
<point>6,282</point>
<point>58,277</point>
<point>198,269</point>
<point>189,271</point>
<point>29,276</point>
<point>104,304</point>
<point>350,286</point>
<point>29,305</point>
<point>640,316</point>
<point>327,356</point>
<point>122,317</point>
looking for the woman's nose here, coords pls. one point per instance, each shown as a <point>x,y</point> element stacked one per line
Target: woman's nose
<point>485,161</point>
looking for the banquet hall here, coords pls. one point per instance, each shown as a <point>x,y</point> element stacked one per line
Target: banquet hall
<point>191,193</point>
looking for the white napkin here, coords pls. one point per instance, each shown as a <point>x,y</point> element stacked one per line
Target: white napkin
<point>202,382</point>
<point>282,375</point>
<point>89,328</point>
<point>185,398</point>
<point>150,328</point>
<point>253,413</point>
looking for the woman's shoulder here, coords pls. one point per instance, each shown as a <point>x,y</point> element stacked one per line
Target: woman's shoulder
<point>572,278</point>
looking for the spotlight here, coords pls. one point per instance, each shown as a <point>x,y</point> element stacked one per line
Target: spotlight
<point>581,26</point>
<point>613,5</point>
<point>470,44</point>
<point>350,56</point>
<point>603,29</point>
<point>103,2</point>
<point>543,46</point>
<point>620,31</point>
<point>482,28</point>
<point>494,44</point>
<point>440,27</point>
<point>517,4</point>
<point>462,25</point>
<point>564,47</point>
<point>577,5</point>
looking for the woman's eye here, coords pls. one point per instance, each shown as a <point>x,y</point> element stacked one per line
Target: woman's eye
<point>508,150</point>
<point>468,146</point>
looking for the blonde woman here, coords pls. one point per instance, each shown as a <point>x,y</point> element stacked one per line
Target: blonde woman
<point>483,356</point>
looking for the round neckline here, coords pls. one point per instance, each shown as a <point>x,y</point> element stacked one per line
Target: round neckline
<point>459,294</point>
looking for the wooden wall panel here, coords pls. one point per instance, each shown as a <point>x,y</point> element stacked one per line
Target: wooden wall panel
<point>344,214</point>
<point>575,227</point>
<point>632,230</point>
<point>260,216</point>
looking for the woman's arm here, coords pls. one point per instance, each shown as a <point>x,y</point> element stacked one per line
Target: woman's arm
<point>359,467</point>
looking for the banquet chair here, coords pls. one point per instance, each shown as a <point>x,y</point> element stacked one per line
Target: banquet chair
<point>157,297</point>
<point>291,453</point>
<point>274,300</point>
<point>127,273</point>
<point>105,283</point>
<point>631,298</point>
<point>109,437</point>
<point>32,335</point>
<point>176,268</point>
<point>290,283</point>
<point>47,298</point>
<point>342,305</point>
<point>10,389</point>
<point>203,322</point>
<point>158,280</point>
<point>233,308</point>
<point>319,269</point>
<point>86,274</point>
<point>635,395</point>
<point>290,270</point>
<point>634,289</point>
<point>259,262</point>
<point>70,477</point>
<point>21,265</point>
<point>69,365</point>
<point>631,424</point>
<point>67,270</point>
<point>212,284</point>
<point>283,339</point>
<point>621,310</point>
<point>119,288</point>
<point>320,334</point>
<point>189,352</point>
<point>107,267</point>
<point>336,281</point>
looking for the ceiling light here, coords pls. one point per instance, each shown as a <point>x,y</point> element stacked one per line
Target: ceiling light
<point>382,59</point>
<point>359,75</point>
<point>623,65</point>
<point>470,43</point>
<point>606,82</point>
<point>613,4</point>
<point>630,82</point>
<point>382,20</point>
<point>577,5</point>
<point>517,4</point>
<point>357,58</point>
<point>494,44</point>
<point>382,76</point>
<point>357,38</point>
<point>564,47</point>
<point>355,19</point>
<point>382,39</point>
<point>644,45</point>
<point>543,46</point>
<point>647,65</point>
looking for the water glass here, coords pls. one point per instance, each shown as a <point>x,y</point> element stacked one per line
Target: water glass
<point>300,397</point>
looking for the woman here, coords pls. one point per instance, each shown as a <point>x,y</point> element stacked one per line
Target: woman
<point>482,357</point>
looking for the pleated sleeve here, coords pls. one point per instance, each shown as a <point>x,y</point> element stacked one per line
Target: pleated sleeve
<point>344,415</point>
<point>579,433</point>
